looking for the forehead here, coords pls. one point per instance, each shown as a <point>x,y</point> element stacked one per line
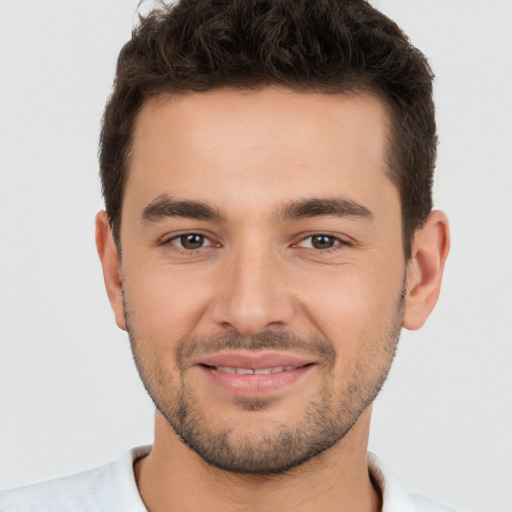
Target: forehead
<point>273,141</point>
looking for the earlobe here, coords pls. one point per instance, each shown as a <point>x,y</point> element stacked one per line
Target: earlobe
<point>111,265</point>
<point>425,269</point>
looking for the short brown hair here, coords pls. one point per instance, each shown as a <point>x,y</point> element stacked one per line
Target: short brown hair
<point>326,46</point>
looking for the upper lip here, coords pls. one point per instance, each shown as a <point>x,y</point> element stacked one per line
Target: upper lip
<point>253,360</point>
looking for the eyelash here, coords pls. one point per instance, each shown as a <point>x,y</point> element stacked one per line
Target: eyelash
<point>170,241</point>
<point>338,242</point>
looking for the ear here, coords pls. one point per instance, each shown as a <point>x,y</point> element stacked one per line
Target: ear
<point>111,264</point>
<point>425,269</point>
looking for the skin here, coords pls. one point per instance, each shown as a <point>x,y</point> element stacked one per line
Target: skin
<point>249,155</point>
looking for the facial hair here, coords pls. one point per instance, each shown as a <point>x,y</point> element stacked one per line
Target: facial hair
<point>326,419</point>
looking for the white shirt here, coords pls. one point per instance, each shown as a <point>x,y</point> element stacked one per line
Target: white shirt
<point>112,488</point>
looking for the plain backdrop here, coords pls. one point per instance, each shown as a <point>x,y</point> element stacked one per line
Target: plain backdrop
<point>70,397</point>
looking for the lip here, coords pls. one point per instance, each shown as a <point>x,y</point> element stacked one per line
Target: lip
<point>254,385</point>
<point>254,360</point>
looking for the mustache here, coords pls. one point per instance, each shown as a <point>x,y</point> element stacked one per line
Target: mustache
<point>266,340</point>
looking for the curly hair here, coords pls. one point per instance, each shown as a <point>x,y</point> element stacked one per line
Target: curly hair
<point>321,46</point>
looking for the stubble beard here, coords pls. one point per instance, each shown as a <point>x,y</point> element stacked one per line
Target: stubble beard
<point>326,420</point>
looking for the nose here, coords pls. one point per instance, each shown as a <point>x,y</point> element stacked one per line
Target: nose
<point>253,293</point>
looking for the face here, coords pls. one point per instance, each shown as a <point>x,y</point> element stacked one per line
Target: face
<point>262,269</point>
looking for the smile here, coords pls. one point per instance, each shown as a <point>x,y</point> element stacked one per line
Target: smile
<point>251,371</point>
<point>253,376</point>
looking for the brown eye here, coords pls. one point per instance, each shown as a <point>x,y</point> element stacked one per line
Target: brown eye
<point>323,241</point>
<point>191,241</point>
<point>320,242</point>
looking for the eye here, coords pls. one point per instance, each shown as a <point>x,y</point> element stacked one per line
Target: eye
<point>190,241</point>
<point>320,242</point>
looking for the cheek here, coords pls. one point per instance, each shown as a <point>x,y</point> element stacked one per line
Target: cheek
<point>165,305</point>
<point>351,304</point>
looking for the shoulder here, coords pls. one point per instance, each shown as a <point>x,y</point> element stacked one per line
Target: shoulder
<point>423,504</point>
<point>108,488</point>
<point>396,498</point>
<point>76,492</point>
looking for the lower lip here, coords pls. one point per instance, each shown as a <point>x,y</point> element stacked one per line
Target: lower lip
<point>254,384</point>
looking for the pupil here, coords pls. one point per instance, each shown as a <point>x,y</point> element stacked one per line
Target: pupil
<point>323,242</point>
<point>192,241</point>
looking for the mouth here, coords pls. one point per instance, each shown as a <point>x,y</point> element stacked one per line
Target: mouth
<point>254,371</point>
<point>254,375</point>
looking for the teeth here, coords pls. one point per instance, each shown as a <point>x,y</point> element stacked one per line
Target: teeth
<point>226,369</point>
<point>250,371</point>
<point>244,371</point>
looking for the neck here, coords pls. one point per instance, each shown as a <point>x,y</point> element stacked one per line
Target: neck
<point>172,477</point>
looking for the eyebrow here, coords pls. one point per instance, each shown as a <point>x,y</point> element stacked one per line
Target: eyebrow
<point>337,206</point>
<point>164,206</point>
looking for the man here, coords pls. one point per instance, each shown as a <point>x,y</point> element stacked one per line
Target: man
<point>267,172</point>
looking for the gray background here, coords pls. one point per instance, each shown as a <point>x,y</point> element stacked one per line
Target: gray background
<point>70,397</point>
